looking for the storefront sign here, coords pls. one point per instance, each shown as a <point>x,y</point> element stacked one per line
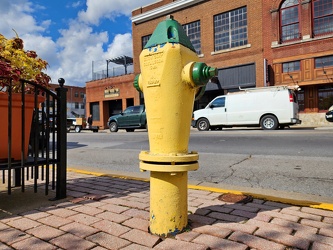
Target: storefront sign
<point>111,92</point>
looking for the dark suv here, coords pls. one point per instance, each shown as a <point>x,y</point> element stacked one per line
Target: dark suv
<point>133,117</point>
<point>329,114</point>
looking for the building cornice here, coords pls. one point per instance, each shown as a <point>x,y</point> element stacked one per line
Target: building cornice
<point>164,10</point>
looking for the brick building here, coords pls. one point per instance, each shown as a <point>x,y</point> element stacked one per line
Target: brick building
<point>75,99</point>
<point>252,43</point>
<point>298,38</point>
<point>236,52</point>
<point>109,96</point>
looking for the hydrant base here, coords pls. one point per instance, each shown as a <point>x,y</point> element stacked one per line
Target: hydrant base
<point>168,203</point>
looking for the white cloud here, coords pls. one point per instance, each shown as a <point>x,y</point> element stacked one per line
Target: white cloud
<point>76,4</point>
<point>71,55</point>
<point>80,46</point>
<point>45,47</point>
<point>121,45</point>
<point>17,15</point>
<point>97,9</point>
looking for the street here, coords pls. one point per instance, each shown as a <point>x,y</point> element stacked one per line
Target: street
<point>291,160</point>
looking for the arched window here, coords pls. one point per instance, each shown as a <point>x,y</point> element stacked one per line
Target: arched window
<point>289,20</point>
<point>322,16</point>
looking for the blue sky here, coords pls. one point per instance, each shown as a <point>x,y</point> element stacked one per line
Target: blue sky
<point>71,34</point>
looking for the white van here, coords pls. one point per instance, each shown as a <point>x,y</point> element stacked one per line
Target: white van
<point>265,107</point>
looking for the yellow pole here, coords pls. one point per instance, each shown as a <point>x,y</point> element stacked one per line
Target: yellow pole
<point>168,203</point>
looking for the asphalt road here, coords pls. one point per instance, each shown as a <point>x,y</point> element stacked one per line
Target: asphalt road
<point>297,160</point>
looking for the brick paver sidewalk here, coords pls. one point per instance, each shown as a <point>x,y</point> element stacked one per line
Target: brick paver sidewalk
<point>113,213</point>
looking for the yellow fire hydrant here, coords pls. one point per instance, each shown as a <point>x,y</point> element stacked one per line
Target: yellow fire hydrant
<point>170,80</point>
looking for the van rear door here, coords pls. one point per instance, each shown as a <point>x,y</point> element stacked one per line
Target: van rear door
<point>294,104</point>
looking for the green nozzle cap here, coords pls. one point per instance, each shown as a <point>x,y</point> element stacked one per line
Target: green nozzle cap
<point>202,73</point>
<point>136,83</point>
<point>169,31</point>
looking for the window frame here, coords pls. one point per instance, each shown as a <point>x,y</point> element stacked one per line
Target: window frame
<point>218,102</point>
<point>329,63</point>
<point>321,17</point>
<point>293,68</point>
<point>325,97</point>
<point>284,39</point>
<point>144,40</point>
<point>227,34</point>
<point>187,28</point>
<point>301,101</point>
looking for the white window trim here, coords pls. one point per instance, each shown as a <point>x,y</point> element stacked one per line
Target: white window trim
<point>164,10</point>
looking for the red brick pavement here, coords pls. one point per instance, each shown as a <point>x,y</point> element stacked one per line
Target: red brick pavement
<point>118,218</point>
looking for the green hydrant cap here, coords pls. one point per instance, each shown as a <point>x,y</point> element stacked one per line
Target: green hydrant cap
<point>169,31</point>
<point>202,73</point>
<point>136,83</point>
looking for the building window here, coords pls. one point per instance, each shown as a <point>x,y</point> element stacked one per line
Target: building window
<point>300,99</point>
<point>82,105</point>
<point>82,95</point>
<point>144,40</point>
<point>232,78</point>
<point>325,97</point>
<point>322,62</point>
<point>76,105</point>
<point>291,66</point>
<point>230,29</point>
<point>322,17</point>
<point>289,18</point>
<point>76,94</point>
<point>192,30</point>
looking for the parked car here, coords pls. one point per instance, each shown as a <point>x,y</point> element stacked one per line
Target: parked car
<point>133,117</point>
<point>329,114</point>
<point>267,107</point>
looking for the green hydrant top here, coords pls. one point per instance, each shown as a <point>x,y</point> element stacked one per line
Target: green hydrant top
<point>169,31</point>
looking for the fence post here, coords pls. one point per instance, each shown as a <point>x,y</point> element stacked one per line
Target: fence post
<point>61,180</point>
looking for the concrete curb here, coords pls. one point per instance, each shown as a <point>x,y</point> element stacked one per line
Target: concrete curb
<point>269,195</point>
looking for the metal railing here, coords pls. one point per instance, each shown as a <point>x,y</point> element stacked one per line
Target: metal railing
<point>42,157</point>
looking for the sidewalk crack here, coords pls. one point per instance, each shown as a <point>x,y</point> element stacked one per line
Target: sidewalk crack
<point>217,174</point>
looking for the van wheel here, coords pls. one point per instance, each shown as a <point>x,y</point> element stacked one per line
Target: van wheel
<point>203,124</point>
<point>113,127</point>
<point>269,122</point>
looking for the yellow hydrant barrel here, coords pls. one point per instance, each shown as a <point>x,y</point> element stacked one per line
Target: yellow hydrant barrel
<point>170,79</point>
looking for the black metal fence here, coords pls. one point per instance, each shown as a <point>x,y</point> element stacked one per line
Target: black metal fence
<point>41,158</point>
